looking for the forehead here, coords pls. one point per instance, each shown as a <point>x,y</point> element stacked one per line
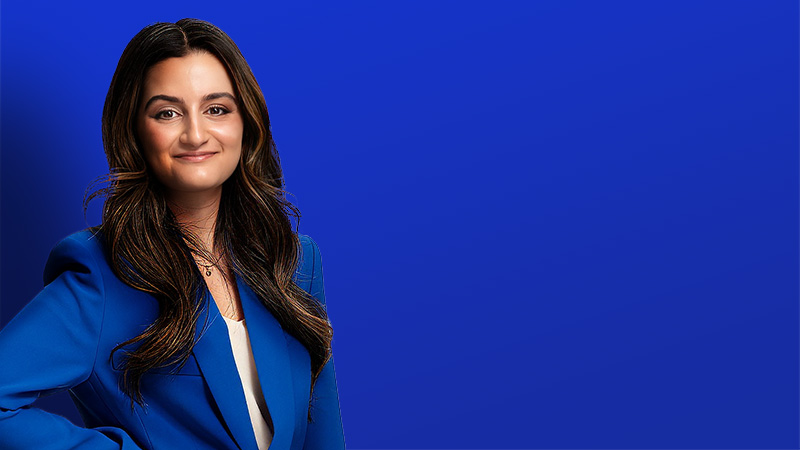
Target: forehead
<point>195,73</point>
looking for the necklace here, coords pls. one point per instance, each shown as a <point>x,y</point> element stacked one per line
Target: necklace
<point>231,307</point>
<point>209,266</point>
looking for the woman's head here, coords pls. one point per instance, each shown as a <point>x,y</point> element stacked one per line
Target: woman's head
<point>156,62</point>
<point>189,125</point>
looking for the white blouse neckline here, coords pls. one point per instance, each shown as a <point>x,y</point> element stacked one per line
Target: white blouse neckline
<point>240,321</point>
<point>248,375</point>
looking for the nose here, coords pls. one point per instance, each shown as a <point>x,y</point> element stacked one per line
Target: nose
<point>194,132</point>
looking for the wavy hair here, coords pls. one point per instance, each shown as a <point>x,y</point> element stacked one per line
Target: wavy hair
<point>150,251</point>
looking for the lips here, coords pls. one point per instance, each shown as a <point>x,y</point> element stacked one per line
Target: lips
<point>194,156</point>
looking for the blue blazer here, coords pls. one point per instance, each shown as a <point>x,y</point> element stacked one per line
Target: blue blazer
<point>63,338</point>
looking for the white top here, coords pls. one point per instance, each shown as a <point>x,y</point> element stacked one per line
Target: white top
<point>246,365</point>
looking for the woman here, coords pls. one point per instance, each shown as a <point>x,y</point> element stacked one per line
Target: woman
<point>193,317</point>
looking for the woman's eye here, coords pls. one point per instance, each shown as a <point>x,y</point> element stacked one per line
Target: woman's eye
<point>217,111</point>
<point>166,114</point>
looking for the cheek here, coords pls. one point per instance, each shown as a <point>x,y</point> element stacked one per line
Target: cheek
<point>233,159</point>
<point>232,137</point>
<point>232,134</point>
<point>155,145</point>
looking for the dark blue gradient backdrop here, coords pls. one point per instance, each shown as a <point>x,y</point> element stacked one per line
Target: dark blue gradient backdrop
<point>544,224</point>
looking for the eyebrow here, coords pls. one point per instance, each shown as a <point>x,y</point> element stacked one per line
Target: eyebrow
<point>168,98</point>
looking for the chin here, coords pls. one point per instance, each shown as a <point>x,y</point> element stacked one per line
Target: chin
<point>196,188</point>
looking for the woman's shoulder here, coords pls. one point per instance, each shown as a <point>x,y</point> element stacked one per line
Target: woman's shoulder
<point>309,251</point>
<point>88,239</point>
<point>310,261</point>
<point>91,238</point>
<point>307,245</point>
<point>84,247</point>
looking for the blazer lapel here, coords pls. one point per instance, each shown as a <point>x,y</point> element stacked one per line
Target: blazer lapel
<point>271,354</point>
<point>215,358</point>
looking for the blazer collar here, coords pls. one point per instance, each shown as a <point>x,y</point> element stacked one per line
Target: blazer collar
<point>270,352</point>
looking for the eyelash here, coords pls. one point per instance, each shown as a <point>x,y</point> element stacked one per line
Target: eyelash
<point>224,111</point>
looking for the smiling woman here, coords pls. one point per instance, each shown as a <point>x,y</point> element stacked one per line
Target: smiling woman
<point>193,316</point>
<point>190,126</point>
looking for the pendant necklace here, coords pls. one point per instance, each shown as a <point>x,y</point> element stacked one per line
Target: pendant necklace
<point>209,266</point>
<point>208,274</point>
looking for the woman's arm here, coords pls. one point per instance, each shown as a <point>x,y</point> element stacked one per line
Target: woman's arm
<point>51,346</point>
<point>325,430</point>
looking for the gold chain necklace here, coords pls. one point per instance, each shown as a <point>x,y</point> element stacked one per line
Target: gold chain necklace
<point>208,267</point>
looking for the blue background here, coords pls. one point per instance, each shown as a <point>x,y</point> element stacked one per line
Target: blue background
<point>544,224</point>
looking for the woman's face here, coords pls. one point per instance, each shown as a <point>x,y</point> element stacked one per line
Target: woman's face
<point>189,125</point>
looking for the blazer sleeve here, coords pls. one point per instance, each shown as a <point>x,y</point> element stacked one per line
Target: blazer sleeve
<point>51,346</point>
<point>325,430</point>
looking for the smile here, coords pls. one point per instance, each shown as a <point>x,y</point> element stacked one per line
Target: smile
<point>195,157</point>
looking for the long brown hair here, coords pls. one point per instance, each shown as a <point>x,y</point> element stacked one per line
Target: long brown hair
<point>151,252</point>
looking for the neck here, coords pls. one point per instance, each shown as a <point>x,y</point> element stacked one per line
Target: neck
<point>197,213</point>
